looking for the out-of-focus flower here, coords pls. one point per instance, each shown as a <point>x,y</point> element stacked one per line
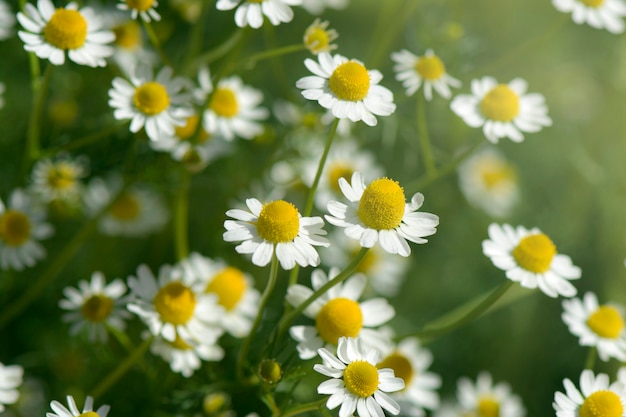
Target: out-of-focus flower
<point>61,411</point>
<point>600,14</point>
<point>429,70</point>
<point>7,21</point>
<point>484,398</point>
<point>10,380</point>
<point>316,7</point>
<point>318,38</point>
<point>146,9</point>
<point>185,357</point>
<point>251,12</point>
<point>59,179</point>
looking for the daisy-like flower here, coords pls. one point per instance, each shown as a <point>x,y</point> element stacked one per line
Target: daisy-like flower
<point>174,305</point>
<point>600,14</point>
<point>50,32</point>
<point>317,7</point>
<point>156,104</point>
<point>356,383</point>
<point>96,305</point>
<point>234,290</point>
<point>275,227</point>
<point>61,411</point>
<point>185,357</point>
<point>413,71</point>
<point>597,325</point>
<point>10,380</point>
<point>22,226</point>
<point>59,179</point>
<point>338,313</point>
<point>484,398</point>
<point>596,397</point>
<point>379,213</point>
<point>7,20</point>
<point>130,47</point>
<point>318,38</point>
<point>146,9</point>
<point>503,110</point>
<point>251,12</point>
<point>489,182</point>
<point>347,88</point>
<point>530,258</point>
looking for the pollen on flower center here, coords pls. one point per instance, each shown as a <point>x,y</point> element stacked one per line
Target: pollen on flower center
<point>339,317</point>
<point>140,5</point>
<point>336,171</point>
<point>224,102</point>
<point>126,207</point>
<point>350,81</point>
<point>128,35</point>
<point>151,98</point>
<point>500,104</point>
<point>401,366</point>
<point>278,222</point>
<point>89,414</point>
<point>593,3</point>
<point>534,253</point>
<point>175,303</point>
<point>187,131</point>
<point>382,204</point>
<point>430,67</point>
<point>66,29</point>
<point>229,285</point>
<point>14,227</point>
<point>488,407</point>
<point>361,378</point>
<point>61,176</point>
<point>97,308</point>
<point>606,322</point>
<point>602,404</point>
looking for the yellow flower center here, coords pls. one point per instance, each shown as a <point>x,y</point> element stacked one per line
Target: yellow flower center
<point>229,285</point>
<point>495,172</point>
<point>224,102</point>
<point>62,176</point>
<point>606,322</point>
<point>309,120</point>
<point>602,404</point>
<point>382,204</point>
<point>534,253</point>
<point>593,3</point>
<point>89,414</point>
<point>316,39</point>
<point>14,227</point>
<point>339,317</point>
<point>175,303</point>
<point>140,5</point>
<point>151,98</point>
<point>430,67</point>
<point>361,378</point>
<point>350,81</point>
<point>186,132</point>
<point>401,366</point>
<point>368,262</point>
<point>126,207</point>
<point>278,222</point>
<point>66,29</point>
<point>97,308</point>
<point>256,1</point>
<point>179,344</point>
<point>488,407</point>
<point>128,35</point>
<point>336,171</point>
<point>501,104</point>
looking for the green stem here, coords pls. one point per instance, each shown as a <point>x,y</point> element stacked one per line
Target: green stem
<point>194,45</point>
<point>251,61</point>
<point>591,358</point>
<point>216,53</point>
<point>303,408</point>
<point>422,129</point>
<point>181,216</point>
<point>245,346</point>
<point>155,42</point>
<point>269,400</point>
<point>40,90</point>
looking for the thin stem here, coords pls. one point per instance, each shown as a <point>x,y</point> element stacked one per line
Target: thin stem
<point>181,216</point>
<point>194,45</point>
<point>269,400</point>
<point>155,42</point>
<point>217,52</point>
<point>303,408</point>
<point>591,358</point>
<point>40,90</point>
<point>422,129</point>
<point>252,60</point>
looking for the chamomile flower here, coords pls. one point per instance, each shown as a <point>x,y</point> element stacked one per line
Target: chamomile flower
<point>597,325</point>
<point>10,381</point>
<point>22,226</point>
<point>174,305</point>
<point>61,411</point>
<point>338,313</point>
<point>59,179</point>
<point>318,38</point>
<point>596,397</point>
<point>489,182</point>
<point>530,258</point>
<point>185,357</point>
<point>600,14</point>
<point>347,88</point>
<point>275,228</point>
<point>156,104</point>
<point>503,110</point>
<point>146,9</point>
<point>7,21</point>
<point>484,398</point>
<point>96,305</point>
<point>129,44</point>
<point>356,383</point>
<point>429,70</point>
<point>316,7</point>
<point>379,213</point>
<point>251,12</point>
<point>234,290</point>
<point>50,32</point>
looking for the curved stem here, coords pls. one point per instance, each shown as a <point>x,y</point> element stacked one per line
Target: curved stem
<point>40,89</point>
<point>320,167</point>
<point>591,358</point>
<point>181,216</point>
<point>422,129</point>
<point>303,408</point>
<point>155,42</point>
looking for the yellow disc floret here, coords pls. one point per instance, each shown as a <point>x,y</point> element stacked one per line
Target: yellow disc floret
<point>89,414</point>
<point>278,222</point>
<point>15,227</point>
<point>62,176</point>
<point>224,102</point>
<point>336,171</point>
<point>401,366</point>
<point>229,285</point>
<point>495,173</point>
<point>317,39</point>
<point>602,404</point>
<point>488,407</point>
<point>339,317</point>
<point>361,378</point>
<point>126,207</point>
<point>66,29</point>
<point>430,67</point>
<point>128,35</point>
<point>606,322</point>
<point>534,253</point>
<point>500,104</point>
<point>187,131</point>
<point>151,98</point>
<point>97,308</point>
<point>180,344</point>
<point>175,303</point>
<point>140,5</point>
<point>382,205</point>
<point>593,3</point>
<point>350,81</point>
